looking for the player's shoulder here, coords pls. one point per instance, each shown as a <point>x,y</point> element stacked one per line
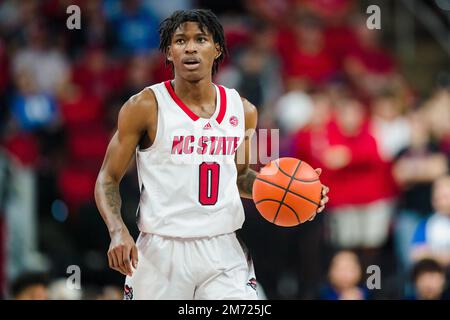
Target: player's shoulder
<point>249,108</point>
<point>143,100</point>
<point>139,108</point>
<point>250,113</point>
<point>140,104</point>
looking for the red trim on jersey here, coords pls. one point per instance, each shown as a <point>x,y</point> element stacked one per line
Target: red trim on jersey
<point>192,115</point>
<point>180,103</point>
<point>223,104</point>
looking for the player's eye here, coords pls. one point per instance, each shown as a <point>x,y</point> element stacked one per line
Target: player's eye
<point>179,41</point>
<point>202,39</point>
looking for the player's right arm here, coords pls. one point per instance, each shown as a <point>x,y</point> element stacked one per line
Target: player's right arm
<point>136,117</point>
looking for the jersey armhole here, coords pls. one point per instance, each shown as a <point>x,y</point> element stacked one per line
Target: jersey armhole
<point>242,111</point>
<point>159,121</point>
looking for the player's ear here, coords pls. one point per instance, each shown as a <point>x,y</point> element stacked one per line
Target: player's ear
<point>169,54</point>
<point>218,51</point>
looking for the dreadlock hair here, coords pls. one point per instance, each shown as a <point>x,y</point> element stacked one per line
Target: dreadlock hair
<point>206,19</point>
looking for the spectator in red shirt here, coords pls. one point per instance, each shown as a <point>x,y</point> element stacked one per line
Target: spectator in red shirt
<point>329,9</point>
<point>304,56</point>
<point>79,108</point>
<point>269,10</point>
<point>368,64</point>
<point>360,206</point>
<point>96,74</point>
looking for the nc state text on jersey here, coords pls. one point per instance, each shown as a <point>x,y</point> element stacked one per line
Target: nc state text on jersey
<point>212,145</point>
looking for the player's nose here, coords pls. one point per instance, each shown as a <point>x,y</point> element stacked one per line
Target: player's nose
<point>191,47</point>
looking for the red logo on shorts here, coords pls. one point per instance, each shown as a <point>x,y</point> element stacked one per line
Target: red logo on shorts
<point>128,292</point>
<point>234,121</point>
<point>252,283</point>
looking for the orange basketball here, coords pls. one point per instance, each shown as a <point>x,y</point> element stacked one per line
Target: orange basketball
<point>287,192</point>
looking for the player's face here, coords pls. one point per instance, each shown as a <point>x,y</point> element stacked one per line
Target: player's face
<point>192,52</point>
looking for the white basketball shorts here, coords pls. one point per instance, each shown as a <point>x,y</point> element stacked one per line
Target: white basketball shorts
<point>215,268</point>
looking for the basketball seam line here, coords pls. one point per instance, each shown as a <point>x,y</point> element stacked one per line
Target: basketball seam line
<point>306,181</point>
<point>301,180</point>
<point>280,203</point>
<point>285,192</point>
<point>298,195</point>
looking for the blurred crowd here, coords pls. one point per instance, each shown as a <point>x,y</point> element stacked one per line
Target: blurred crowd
<point>333,88</point>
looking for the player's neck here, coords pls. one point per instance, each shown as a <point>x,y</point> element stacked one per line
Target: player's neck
<point>196,93</point>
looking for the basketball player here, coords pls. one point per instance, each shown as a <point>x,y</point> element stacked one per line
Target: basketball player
<point>185,133</point>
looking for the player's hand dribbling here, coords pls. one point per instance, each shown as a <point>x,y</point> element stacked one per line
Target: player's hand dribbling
<point>122,253</point>
<point>324,199</point>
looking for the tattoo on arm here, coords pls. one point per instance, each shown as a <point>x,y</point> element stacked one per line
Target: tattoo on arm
<point>245,182</point>
<point>113,197</point>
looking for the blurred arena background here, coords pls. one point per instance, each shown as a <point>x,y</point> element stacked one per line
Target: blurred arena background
<point>370,107</point>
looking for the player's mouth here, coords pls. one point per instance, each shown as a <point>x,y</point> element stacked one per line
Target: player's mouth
<point>191,63</point>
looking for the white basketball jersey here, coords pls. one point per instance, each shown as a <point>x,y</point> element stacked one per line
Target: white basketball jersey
<point>188,176</point>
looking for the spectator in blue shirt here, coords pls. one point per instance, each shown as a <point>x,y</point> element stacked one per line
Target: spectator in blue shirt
<point>30,108</point>
<point>136,28</point>
<point>344,278</point>
<point>432,236</point>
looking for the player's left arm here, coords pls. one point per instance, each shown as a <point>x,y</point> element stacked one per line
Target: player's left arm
<point>246,176</point>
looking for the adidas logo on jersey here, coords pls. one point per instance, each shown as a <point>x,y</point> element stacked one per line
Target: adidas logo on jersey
<point>207,126</point>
